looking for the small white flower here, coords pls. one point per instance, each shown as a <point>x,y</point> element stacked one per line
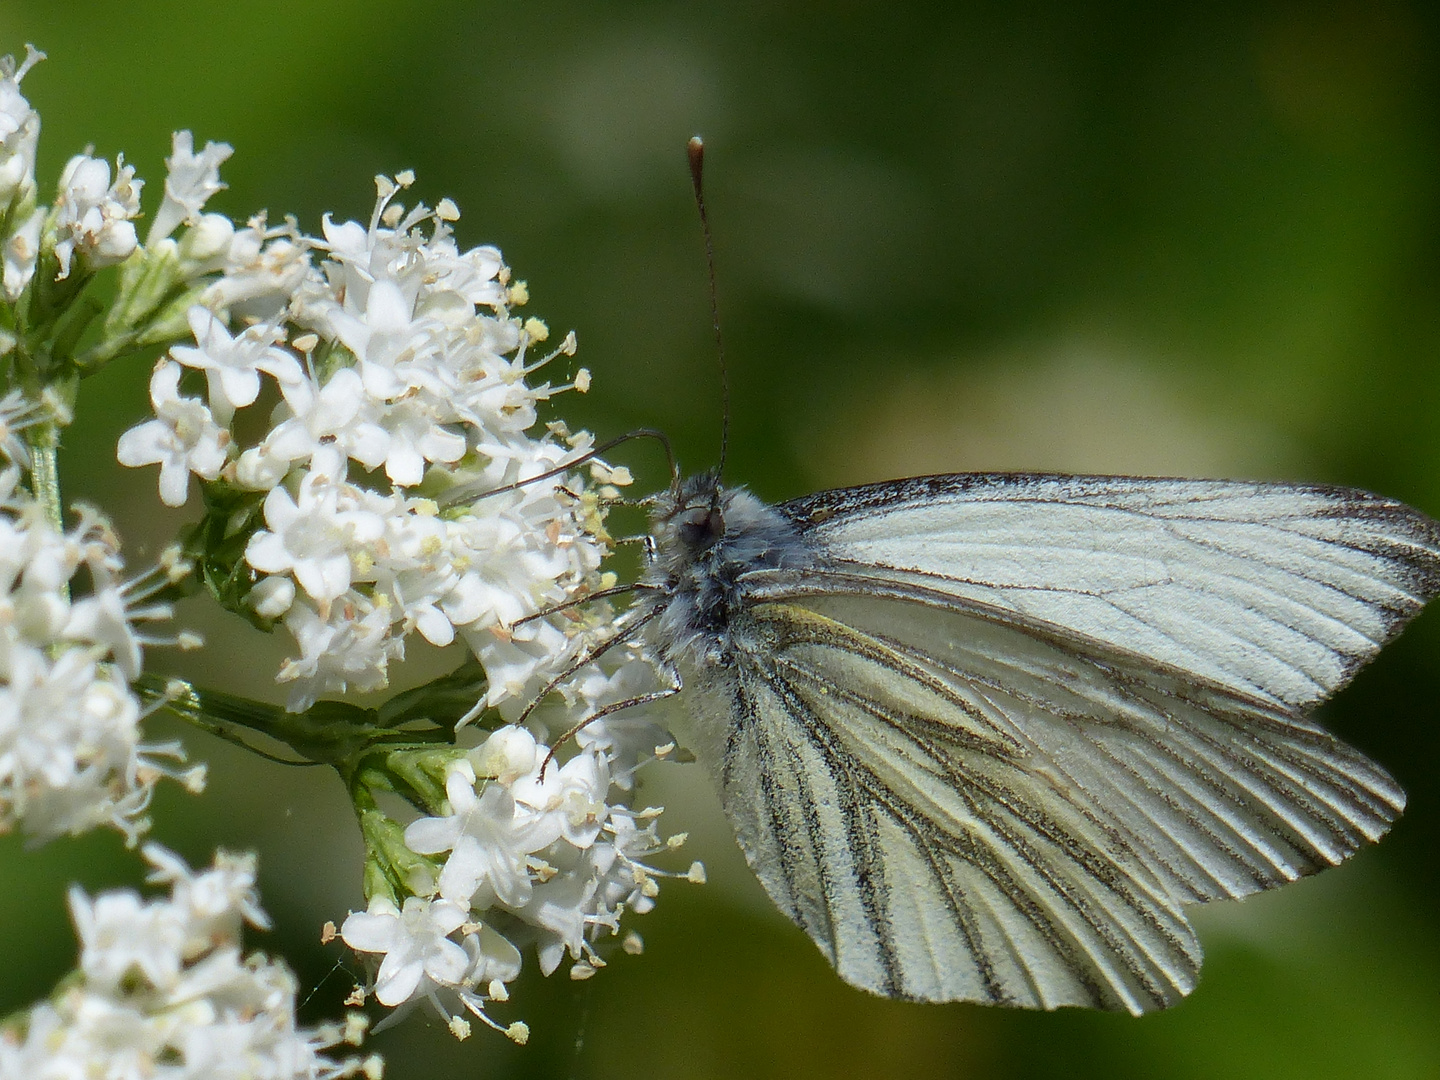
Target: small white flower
<point>492,958</point>
<point>419,955</point>
<point>313,536</point>
<point>189,182</point>
<point>559,909</point>
<point>627,738</point>
<point>517,668</point>
<point>21,252</point>
<point>488,841</point>
<point>626,881</point>
<point>415,570</point>
<point>415,437</point>
<point>19,130</point>
<point>508,754</point>
<point>272,596</point>
<point>350,650</point>
<point>215,901</point>
<point>232,365</point>
<point>105,619</point>
<point>338,414</point>
<point>121,934</point>
<point>385,340</point>
<point>92,215</point>
<point>183,438</point>
<point>204,248</point>
<point>264,268</point>
<point>572,796</point>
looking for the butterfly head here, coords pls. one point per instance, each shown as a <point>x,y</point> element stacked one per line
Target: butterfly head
<point>691,517</point>
<point>707,538</point>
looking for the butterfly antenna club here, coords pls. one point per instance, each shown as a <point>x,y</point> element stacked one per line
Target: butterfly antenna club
<point>695,149</point>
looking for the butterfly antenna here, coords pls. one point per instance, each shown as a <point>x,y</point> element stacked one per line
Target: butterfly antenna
<point>696,150</point>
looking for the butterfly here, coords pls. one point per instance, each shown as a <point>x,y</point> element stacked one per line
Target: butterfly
<point>984,737</point>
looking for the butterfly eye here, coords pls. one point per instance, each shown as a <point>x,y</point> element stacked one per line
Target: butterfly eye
<point>700,527</point>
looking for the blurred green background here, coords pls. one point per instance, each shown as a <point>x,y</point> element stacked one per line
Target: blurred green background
<point>1195,239</point>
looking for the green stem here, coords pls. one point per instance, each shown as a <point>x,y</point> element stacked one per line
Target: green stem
<point>44,440</point>
<point>330,732</point>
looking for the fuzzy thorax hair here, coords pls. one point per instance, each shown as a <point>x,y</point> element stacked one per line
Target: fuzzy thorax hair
<point>706,539</point>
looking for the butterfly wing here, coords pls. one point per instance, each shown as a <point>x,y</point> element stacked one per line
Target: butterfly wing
<point>1276,591</point>
<point>961,799</point>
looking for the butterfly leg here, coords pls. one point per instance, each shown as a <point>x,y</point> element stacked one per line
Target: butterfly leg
<point>677,684</point>
<point>620,638</point>
<point>566,605</point>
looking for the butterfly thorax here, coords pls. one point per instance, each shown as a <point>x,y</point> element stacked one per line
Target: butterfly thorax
<point>707,538</point>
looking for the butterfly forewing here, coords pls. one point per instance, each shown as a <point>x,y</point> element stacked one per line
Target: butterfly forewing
<point>1276,591</point>
<point>987,745</point>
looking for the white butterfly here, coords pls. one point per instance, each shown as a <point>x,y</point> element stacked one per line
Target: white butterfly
<point>983,736</point>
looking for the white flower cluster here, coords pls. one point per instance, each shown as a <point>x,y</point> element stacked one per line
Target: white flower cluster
<point>535,854</point>
<point>70,750</point>
<point>397,364</point>
<point>163,990</point>
<point>403,471</point>
<point>92,214</point>
<point>19,140</point>
<point>359,409</point>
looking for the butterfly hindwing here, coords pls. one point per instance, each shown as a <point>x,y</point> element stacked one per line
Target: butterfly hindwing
<point>923,852</point>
